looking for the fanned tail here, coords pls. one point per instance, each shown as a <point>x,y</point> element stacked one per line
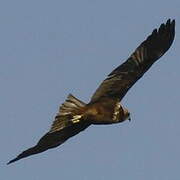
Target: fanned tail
<point>71,105</point>
<point>69,113</point>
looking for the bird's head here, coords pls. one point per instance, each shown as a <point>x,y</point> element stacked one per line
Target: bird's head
<point>126,114</point>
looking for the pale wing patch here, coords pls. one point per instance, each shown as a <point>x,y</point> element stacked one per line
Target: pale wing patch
<point>76,119</point>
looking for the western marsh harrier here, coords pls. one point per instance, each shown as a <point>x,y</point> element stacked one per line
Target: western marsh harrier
<point>104,107</point>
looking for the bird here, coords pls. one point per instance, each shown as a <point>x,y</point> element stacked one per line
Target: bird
<point>105,105</point>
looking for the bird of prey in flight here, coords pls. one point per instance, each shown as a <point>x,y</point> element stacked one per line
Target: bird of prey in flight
<point>104,107</point>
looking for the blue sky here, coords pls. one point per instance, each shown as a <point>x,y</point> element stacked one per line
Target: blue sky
<point>52,48</point>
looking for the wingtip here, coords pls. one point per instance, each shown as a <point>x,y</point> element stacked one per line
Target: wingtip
<point>170,20</point>
<point>8,163</point>
<point>13,160</point>
<point>173,22</point>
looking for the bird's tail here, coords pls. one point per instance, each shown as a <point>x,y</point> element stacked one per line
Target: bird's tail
<point>71,105</point>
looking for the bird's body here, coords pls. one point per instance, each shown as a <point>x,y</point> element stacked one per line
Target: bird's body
<point>104,107</point>
<point>106,111</point>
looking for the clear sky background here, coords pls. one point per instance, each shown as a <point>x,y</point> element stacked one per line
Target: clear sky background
<point>52,48</point>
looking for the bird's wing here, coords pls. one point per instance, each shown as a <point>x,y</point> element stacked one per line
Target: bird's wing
<point>121,79</point>
<point>66,124</point>
<point>51,140</point>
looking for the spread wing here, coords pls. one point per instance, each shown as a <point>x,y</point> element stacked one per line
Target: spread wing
<point>120,80</point>
<point>67,123</point>
<point>52,140</point>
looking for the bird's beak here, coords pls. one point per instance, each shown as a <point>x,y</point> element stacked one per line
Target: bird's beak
<point>129,118</point>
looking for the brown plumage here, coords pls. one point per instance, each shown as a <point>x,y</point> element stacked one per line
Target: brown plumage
<point>104,108</point>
